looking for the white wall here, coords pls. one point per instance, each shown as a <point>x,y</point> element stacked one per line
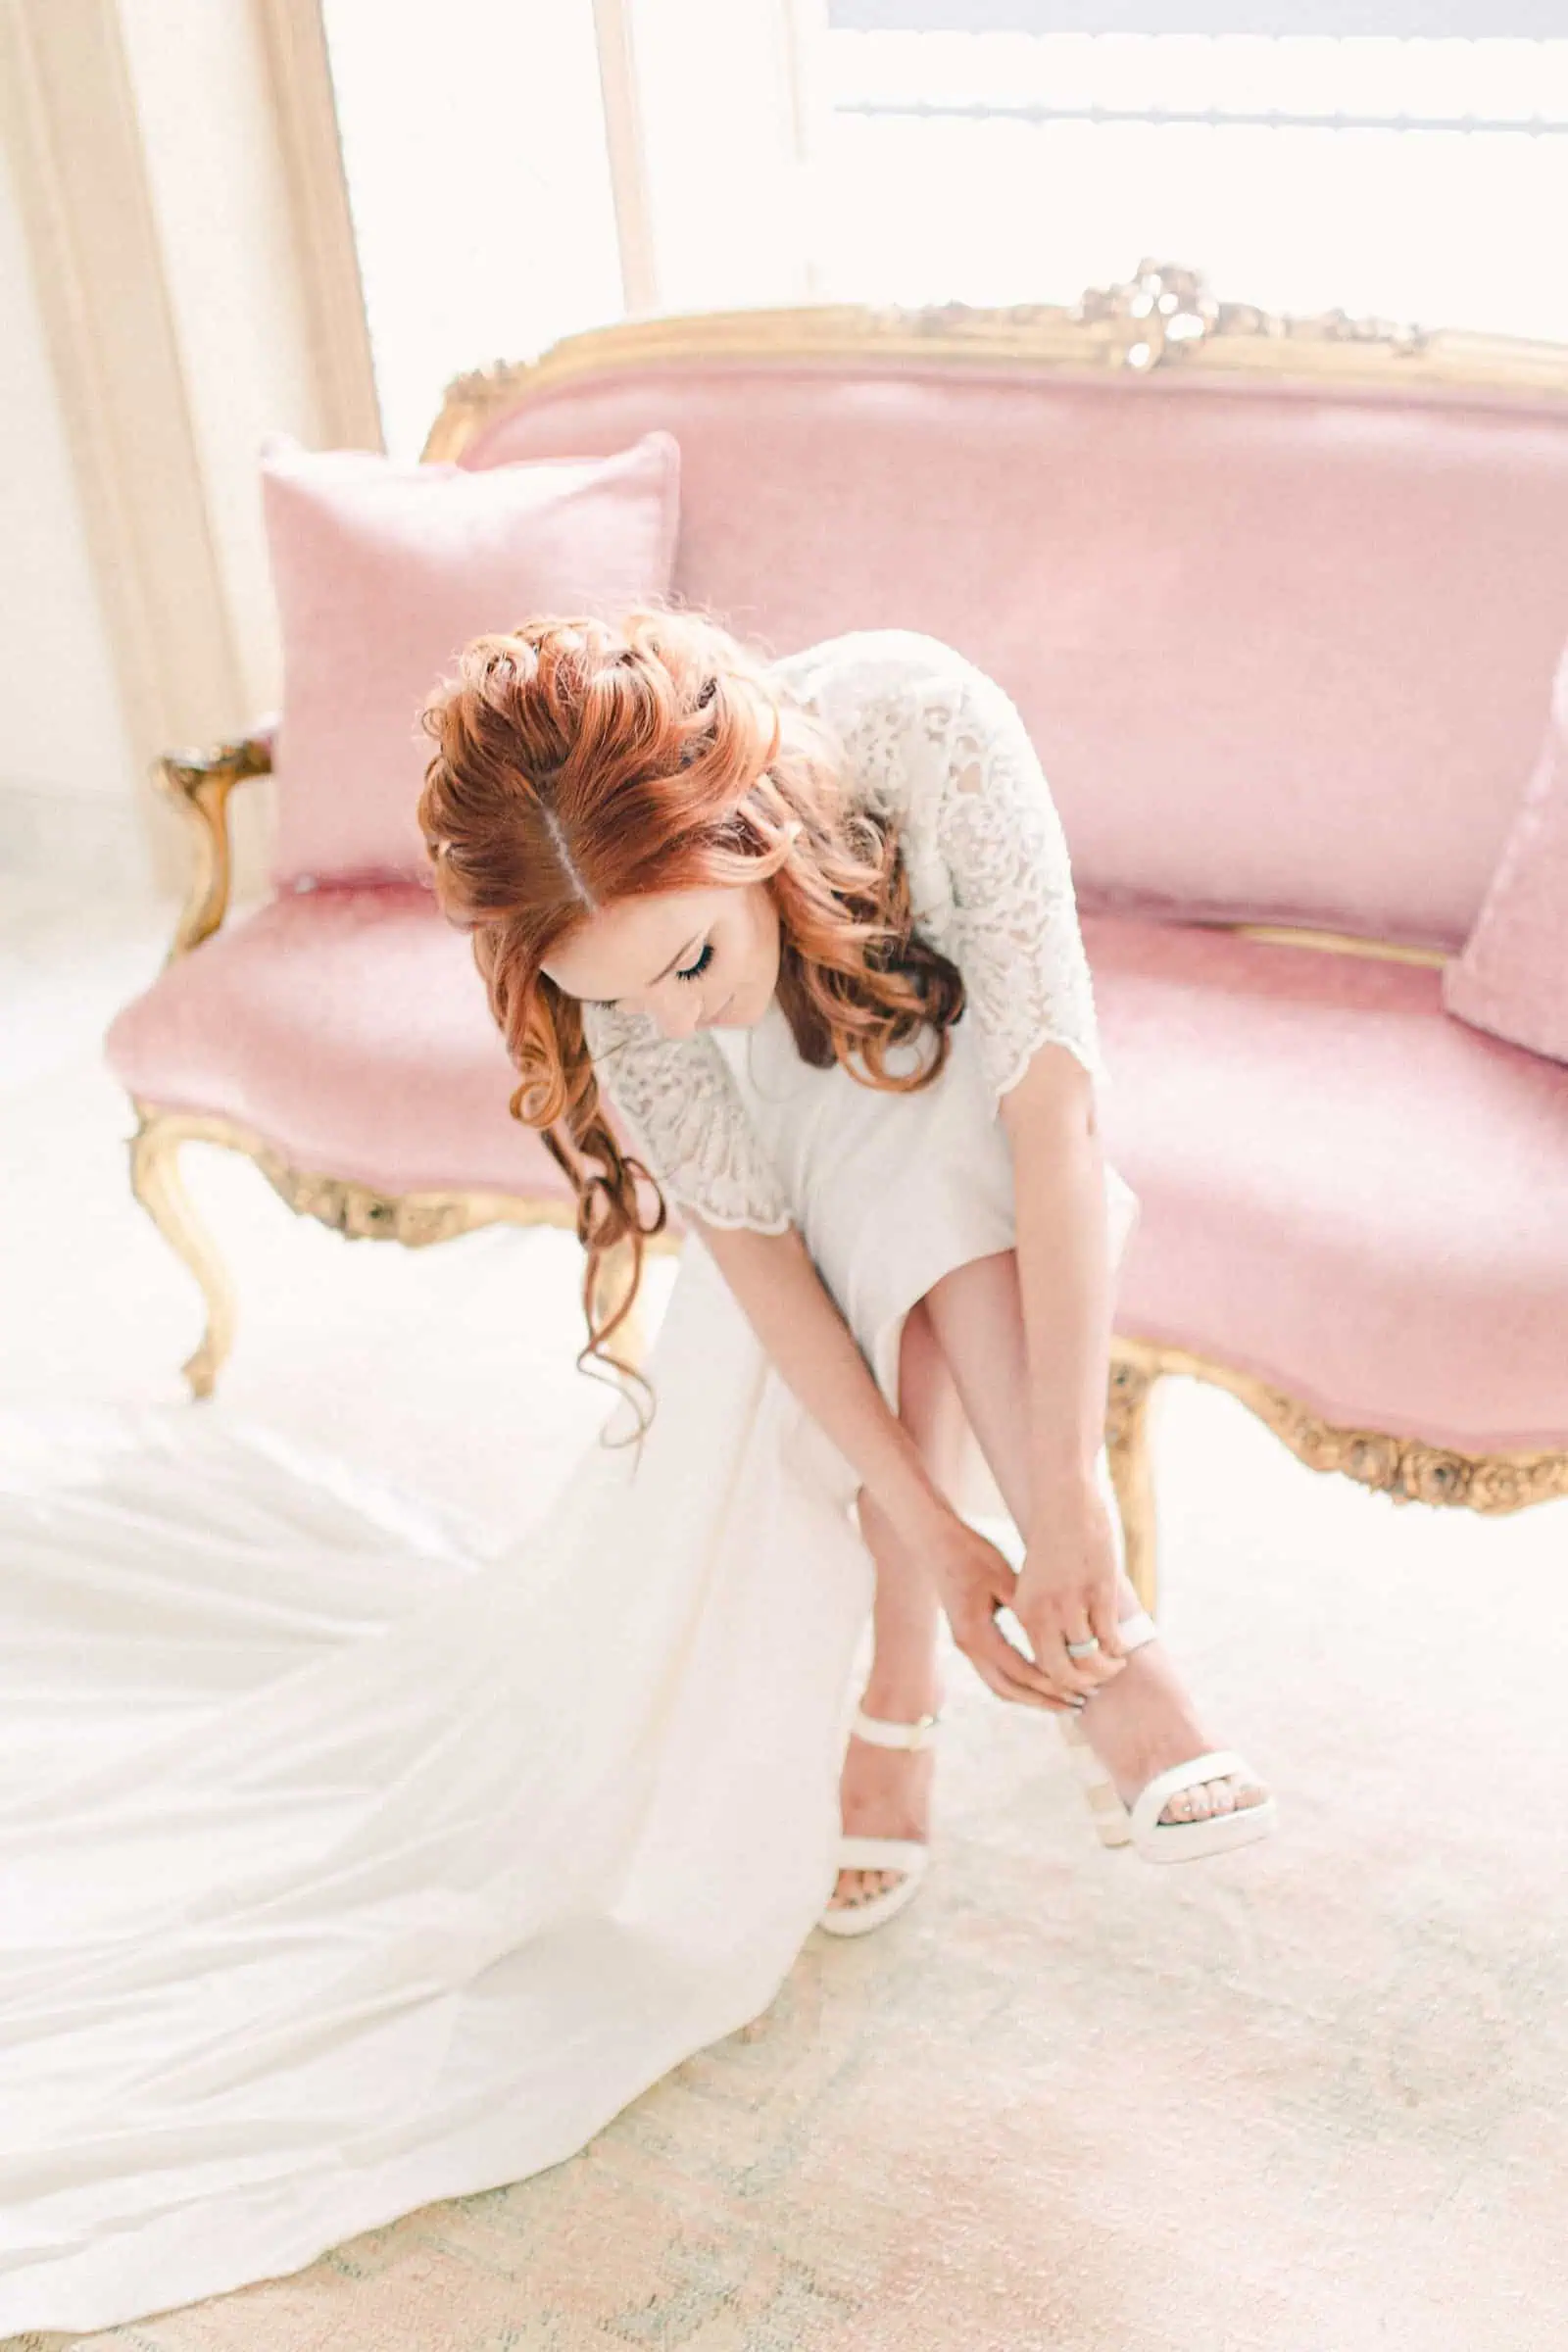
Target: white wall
<point>462,183</point>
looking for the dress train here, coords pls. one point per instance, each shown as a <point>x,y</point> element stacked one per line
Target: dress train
<point>345,1867</point>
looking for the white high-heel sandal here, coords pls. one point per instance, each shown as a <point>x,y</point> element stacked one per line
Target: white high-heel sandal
<point>1139,1825</point>
<point>909,1855</point>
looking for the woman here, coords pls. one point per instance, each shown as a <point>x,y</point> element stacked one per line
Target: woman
<point>827,865</point>
<point>345,1867</point>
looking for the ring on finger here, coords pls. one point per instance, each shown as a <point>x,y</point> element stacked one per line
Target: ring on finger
<point>1083,1649</point>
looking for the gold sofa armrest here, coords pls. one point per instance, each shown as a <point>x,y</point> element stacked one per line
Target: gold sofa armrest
<point>200,783</point>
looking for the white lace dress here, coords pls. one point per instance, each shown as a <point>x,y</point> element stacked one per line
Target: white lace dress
<point>891,1190</point>
<point>345,1866</point>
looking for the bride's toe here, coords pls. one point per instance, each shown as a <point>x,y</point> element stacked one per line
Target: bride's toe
<point>1193,1804</point>
<point>858,1886</point>
<point>1211,1797</point>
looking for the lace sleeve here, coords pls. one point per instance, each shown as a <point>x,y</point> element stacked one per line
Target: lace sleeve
<point>677,1107</point>
<point>1011,917</point>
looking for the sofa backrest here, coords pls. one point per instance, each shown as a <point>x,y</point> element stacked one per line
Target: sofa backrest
<point>1285,646</point>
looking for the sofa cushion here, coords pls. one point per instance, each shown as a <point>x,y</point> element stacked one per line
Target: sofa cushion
<point>350,1028</point>
<point>1343,1191</point>
<point>1512,977</point>
<point>383,571</point>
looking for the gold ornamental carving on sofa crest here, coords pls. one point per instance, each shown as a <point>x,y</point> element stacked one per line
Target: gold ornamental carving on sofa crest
<point>1161,321</point>
<point>1162,310</point>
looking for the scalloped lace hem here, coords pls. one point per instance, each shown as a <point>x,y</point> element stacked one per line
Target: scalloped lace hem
<point>1052,1037</point>
<point>742,1221</point>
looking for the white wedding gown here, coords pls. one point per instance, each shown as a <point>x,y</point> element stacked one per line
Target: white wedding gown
<point>341,1871</point>
<point>344,1867</point>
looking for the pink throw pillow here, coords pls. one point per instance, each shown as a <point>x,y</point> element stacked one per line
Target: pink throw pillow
<point>1511,977</point>
<point>383,570</point>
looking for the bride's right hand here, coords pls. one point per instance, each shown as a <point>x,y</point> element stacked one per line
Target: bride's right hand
<point>973,1581</point>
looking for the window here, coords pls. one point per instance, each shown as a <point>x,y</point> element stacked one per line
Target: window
<point>916,151</point>
<point>474,141</point>
<point>999,151</point>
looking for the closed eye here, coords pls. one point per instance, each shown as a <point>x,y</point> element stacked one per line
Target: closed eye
<point>689,971</point>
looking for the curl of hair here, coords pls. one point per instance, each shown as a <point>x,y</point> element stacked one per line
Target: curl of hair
<point>579,763</point>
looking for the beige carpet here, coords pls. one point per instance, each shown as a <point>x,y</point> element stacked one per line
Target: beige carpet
<point>1306,2100</point>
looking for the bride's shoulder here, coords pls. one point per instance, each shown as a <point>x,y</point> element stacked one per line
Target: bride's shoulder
<point>861,666</point>
<point>889,695</point>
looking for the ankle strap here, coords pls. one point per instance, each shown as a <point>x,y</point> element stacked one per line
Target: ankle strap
<point>1136,1630</point>
<point>895,1734</point>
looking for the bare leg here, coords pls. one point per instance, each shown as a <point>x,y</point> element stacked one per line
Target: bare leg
<point>1142,1721</point>
<point>887,1791</point>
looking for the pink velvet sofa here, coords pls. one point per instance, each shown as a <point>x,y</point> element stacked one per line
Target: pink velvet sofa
<point>1281,601</point>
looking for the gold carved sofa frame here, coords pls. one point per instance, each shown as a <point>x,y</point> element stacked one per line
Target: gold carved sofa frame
<point>1164,317</point>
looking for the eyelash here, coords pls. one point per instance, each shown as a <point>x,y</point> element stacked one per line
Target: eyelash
<point>693,971</point>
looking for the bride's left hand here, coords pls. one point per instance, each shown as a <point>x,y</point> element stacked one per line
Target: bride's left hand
<point>1067,1590</point>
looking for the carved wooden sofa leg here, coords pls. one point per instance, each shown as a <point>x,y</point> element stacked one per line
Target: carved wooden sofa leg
<point>156,1181</point>
<point>356,1210</point>
<point>1132,1375</point>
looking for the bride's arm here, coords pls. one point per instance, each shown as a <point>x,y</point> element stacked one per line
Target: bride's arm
<point>807,1338</point>
<point>678,1101</point>
<point>1070,1568</point>
<point>1012,930</point>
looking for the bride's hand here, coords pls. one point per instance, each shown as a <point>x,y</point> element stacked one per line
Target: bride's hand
<point>1067,1591</point>
<point>974,1580</point>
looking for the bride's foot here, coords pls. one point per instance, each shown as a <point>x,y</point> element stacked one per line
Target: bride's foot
<point>1142,1722</point>
<point>885,1793</point>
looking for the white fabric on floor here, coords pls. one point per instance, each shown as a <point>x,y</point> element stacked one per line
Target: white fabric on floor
<point>344,1869</point>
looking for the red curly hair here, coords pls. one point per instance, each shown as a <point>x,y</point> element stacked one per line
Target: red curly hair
<point>579,763</point>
